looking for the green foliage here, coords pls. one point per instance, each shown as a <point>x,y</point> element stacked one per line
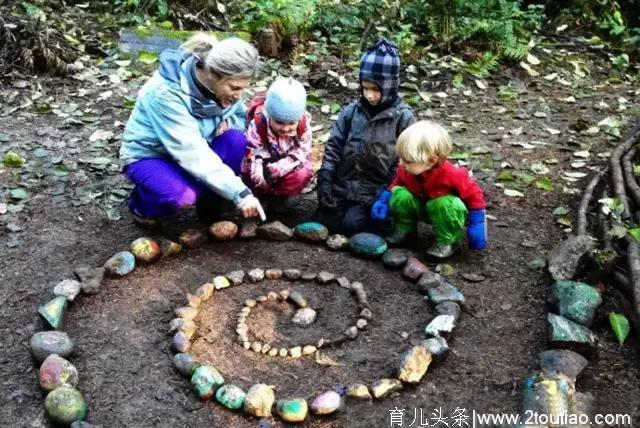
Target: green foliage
<point>287,17</point>
<point>484,66</point>
<point>620,326</point>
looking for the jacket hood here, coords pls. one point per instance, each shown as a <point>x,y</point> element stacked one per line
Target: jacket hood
<point>170,62</point>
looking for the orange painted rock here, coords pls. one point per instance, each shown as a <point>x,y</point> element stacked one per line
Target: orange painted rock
<point>223,230</point>
<point>145,250</point>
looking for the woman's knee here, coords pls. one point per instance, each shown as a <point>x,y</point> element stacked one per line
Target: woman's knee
<point>181,199</point>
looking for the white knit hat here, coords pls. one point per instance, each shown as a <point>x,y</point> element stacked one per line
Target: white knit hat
<point>286,100</point>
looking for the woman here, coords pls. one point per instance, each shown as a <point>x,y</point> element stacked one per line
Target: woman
<point>184,141</point>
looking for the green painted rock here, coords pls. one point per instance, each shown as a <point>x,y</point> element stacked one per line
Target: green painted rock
<point>565,333</point>
<point>145,250</point>
<point>65,405</point>
<point>311,231</point>
<point>384,387</point>
<point>184,363</point>
<point>294,410</point>
<point>414,364</point>
<point>367,244</point>
<point>206,380</point>
<point>55,372</point>
<point>53,311</point>
<point>576,301</point>
<point>231,397</point>
<point>259,400</point>
<point>120,264</point>
<point>46,343</point>
<point>193,238</point>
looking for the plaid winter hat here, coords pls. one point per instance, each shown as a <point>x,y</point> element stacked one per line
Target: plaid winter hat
<point>381,64</point>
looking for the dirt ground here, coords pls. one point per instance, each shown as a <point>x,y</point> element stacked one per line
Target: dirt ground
<point>122,345</point>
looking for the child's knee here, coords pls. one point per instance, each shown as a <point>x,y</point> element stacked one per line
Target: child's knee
<point>400,197</point>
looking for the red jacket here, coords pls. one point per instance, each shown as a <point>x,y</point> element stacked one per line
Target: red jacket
<point>444,179</point>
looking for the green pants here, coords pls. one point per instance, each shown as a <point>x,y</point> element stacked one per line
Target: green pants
<point>447,214</point>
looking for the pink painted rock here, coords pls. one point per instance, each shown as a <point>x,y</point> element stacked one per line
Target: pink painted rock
<point>223,230</point>
<point>145,250</point>
<point>248,229</point>
<point>326,403</point>
<point>55,371</point>
<point>193,238</point>
<point>414,269</point>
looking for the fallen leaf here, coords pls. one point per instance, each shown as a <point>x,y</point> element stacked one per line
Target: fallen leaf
<point>513,193</point>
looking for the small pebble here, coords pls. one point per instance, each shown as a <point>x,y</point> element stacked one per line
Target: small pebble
<point>262,298</point>
<point>295,352</point>
<point>304,317</point>
<point>193,301</point>
<point>250,303</point>
<point>205,291</point>
<point>273,274</point>
<point>325,277</point>
<point>283,352</point>
<point>236,277</point>
<point>180,342</point>
<point>275,231</point>
<point>256,275</point>
<point>283,294</point>
<point>308,276</point>
<point>256,346</point>
<point>184,363</point>
<point>361,323</point>
<point>358,390</point>
<point>186,312</point>
<point>247,345</point>
<point>309,349</point>
<point>343,282</point>
<point>298,299</point>
<point>366,314</point>
<point>351,332</point>
<point>292,274</point>
<point>337,242</point>
<point>272,296</point>
<point>265,348</point>
<point>248,229</point>
<point>273,352</point>
<point>220,282</point>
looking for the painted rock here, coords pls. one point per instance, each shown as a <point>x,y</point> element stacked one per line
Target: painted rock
<point>193,238</point>
<point>292,274</point>
<point>414,269</point>
<point>65,405</point>
<point>437,347</point>
<point>273,274</point>
<point>231,397</point>
<point>311,231</point>
<point>248,230</point>
<point>395,258</point>
<point>565,333</point>
<point>304,317</point>
<point>188,327</point>
<point>90,278</point>
<point>298,299</point>
<point>223,230</point>
<point>55,372</point>
<point>337,242</point>
<point>384,387</point>
<point>294,410</point>
<point>53,311</point>
<point>275,231</point>
<point>358,390</point>
<point>180,342</point>
<point>449,308</point>
<point>220,282</point>
<point>185,364</point>
<point>205,291</point>
<point>576,301</point>
<point>429,280</point>
<point>236,277</point>
<point>186,312</point>
<point>414,364</point>
<point>325,277</point>
<point>256,275</point>
<point>367,244</point>
<point>169,247</point>
<point>259,400</point>
<point>69,289</point>
<point>120,264</point>
<point>562,361</point>
<point>440,324</point>
<point>206,380</point>
<point>445,293</point>
<point>146,250</point>
<point>46,343</point>
<point>326,403</point>
<point>193,301</point>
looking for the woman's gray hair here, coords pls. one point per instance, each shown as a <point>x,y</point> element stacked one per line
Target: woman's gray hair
<point>230,58</point>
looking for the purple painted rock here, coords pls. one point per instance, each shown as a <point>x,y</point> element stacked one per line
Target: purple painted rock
<point>180,342</point>
<point>326,403</point>
<point>248,229</point>
<point>55,372</point>
<point>414,269</point>
<point>120,264</point>
<point>193,238</point>
<point>223,230</point>
<point>65,405</point>
<point>46,343</point>
<point>145,250</point>
<point>169,248</point>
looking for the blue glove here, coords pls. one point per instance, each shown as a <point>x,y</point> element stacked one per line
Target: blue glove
<point>477,229</point>
<point>380,208</point>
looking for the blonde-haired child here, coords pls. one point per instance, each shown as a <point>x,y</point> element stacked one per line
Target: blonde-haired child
<point>427,183</point>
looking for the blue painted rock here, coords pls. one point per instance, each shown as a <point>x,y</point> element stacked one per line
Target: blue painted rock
<point>565,333</point>
<point>311,231</point>
<point>576,300</point>
<point>223,230</point>
<point>193,238</point>
<point>55,372</point>
<point>367,244</point>
<point>69,289</point>
<point>231,397</point>
<point>414,269</point>
<point>437,347</point>
<point>53,311</point>
<point>65,405</point>
<point>414,364</point>
<point>185,364</point>
<point>46,343</point>
<point>445,293</point>
<point>294,410</point>
<point>259,400</point>
<point>206,380</point>
<point>326,403</point>
<point>120,264</point>
<point>145,250</point>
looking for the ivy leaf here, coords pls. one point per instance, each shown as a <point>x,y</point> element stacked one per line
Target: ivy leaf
<point>13,159</point>
<point>544,183</point>
<point>635,232</point>
<point>19,193</point>
<point>147,57</point>
<point>620,326</point>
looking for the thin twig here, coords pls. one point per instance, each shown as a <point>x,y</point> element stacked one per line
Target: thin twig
<point>581,226</point>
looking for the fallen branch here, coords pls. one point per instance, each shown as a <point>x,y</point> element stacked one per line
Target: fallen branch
<point>581,226</point>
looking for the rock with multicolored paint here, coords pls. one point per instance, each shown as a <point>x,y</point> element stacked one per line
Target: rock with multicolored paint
<point>120,264</point>
<point>311,231</point>
<point>45,343</point>
<point>145,250</point>
<point>294,410</point>
<point>231,397</point>
<point>206,380</point>
<point>53,311</point>
<point>55,372</point>
<point>169,247</point>
<point>65,405</point>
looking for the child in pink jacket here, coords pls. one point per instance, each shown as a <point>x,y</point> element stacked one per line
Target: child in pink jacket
<point>277,164</point>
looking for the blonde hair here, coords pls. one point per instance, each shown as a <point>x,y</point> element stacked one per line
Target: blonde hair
<point>423,141</point>
<point>231,58</point>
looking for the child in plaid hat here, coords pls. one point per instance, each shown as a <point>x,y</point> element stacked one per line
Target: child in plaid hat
<point>360,159</point>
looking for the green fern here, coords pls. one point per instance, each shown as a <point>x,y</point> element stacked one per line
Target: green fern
<point>484,66</point>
